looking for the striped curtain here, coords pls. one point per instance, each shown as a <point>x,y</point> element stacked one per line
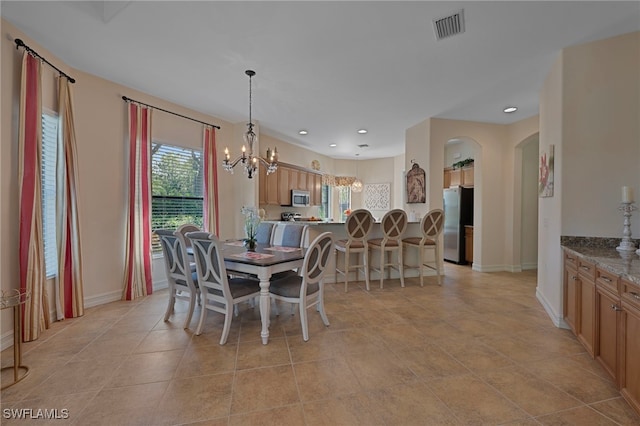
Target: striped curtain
<point>211,221</point>
<point>31,245</point>
<point>137,282</point>
<point>69,297</point>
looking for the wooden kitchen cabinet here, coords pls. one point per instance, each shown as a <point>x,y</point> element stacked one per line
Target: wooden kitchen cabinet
<point>275,189</point>
<point>458,177</point>
<point>468,243</point>
<point>586,304</point>
<point>447,177</point>
<point>570,284</point>
<point>467,176</point>
<point>607,324</point>
<point>614,315</point>
<point>268,188</point>
<point>314,185</point>
<point>284,185</point>
<point>302,181</point>
<point>629,347</point>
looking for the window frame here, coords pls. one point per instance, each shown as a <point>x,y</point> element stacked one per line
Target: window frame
<point>187,215</point>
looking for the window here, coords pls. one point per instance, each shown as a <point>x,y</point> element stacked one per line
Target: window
<point>344,201</point>
<point>325,203</point>
<point>49,159</point>
<point>177,175</point>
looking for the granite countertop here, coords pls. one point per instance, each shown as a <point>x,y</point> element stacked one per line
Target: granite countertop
<point>624,264</point>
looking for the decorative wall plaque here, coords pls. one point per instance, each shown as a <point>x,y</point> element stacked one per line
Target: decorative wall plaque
<point>416,184</point>
<point>377,196</point>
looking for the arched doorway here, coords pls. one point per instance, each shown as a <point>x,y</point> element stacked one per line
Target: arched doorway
<point>525,208</point>
<point>461,156</point>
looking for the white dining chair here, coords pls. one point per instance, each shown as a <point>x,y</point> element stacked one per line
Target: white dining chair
<point>219,292</point>
<point>183,281</point>
<point>307,289</point>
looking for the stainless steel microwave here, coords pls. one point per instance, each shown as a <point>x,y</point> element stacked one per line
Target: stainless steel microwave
<point>299,198</point>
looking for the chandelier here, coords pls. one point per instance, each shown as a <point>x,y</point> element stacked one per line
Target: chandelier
<point>247,158</point>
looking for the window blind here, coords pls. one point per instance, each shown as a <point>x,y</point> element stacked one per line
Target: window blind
<point>177,176</point>
<point>49,159</point>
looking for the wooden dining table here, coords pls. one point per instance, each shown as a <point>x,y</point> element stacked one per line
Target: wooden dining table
<point>265,261</point>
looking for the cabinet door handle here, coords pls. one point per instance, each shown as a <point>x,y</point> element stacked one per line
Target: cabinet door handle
<point>586,268</point>
<point>616,308</point>
<point>573,277</point>
<point>606,279</point>
<point>634,294</point>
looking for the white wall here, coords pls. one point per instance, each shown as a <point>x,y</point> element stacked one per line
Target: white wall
<point>529,225</point>
<point>457,150</point>
<point>590,111</point>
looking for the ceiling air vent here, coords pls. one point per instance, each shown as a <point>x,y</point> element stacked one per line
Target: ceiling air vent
<point>449,25</point>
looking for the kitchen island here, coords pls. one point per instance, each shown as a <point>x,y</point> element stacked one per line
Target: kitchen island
<point>339,231</point>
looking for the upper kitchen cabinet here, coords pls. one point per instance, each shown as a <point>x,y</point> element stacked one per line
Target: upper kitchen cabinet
<point>275,189</point>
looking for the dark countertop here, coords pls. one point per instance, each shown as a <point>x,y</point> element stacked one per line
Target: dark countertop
<point>624,264</point>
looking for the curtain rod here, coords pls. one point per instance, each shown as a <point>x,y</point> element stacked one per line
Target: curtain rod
<point>169,112</point>
<point>20,43</point>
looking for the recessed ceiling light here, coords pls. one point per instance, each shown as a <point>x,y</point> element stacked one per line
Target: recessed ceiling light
<point>333,145</point>
<point>362,131</point>
<point>510,109</point>
<point>303,132</point>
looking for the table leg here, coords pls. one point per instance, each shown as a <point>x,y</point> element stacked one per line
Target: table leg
<point>265,309</point>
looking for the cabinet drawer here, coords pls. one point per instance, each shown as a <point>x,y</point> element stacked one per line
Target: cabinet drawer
<point>630,293</point>
<point>570,259</point>
<point>587,270</point>
<point>607,280</point>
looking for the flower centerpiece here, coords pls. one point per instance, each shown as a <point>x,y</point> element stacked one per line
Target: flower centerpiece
<point>251,222</point>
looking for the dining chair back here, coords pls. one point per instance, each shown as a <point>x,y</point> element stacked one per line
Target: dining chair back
<point>219,292</point>
<point>358,226</point>
<point>431,227</point>
<point>307,289</point>
<point>393,225</point>
<point>263,235</point>
<point>289,235</point>
<point>183,281</point>
<point>187,227</point>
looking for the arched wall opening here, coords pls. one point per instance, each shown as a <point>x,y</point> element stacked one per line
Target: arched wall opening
<point>459,149</point>
<point>524,241</point>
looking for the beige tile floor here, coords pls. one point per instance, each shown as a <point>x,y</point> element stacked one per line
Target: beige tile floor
<point>477,350</point>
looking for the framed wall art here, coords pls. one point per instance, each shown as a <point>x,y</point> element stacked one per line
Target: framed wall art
<point>545,181</point>
<point>377,196</point>
<point>416,184</point>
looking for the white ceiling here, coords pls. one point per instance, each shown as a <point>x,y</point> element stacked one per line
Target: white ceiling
<point>327,67</point>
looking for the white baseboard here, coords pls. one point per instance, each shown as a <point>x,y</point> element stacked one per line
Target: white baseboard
<point>101,299</point>
<point>488,268</point>
<point>160,285</point>
<point>556,318</point>
<point>529,266</point>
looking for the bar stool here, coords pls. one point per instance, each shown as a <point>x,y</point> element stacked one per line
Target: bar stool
<point>431,227</point>
<point>358,226</point>
<point>394,223</point>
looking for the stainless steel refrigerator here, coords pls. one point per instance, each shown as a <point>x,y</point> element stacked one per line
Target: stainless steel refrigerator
<point>458,212</point>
